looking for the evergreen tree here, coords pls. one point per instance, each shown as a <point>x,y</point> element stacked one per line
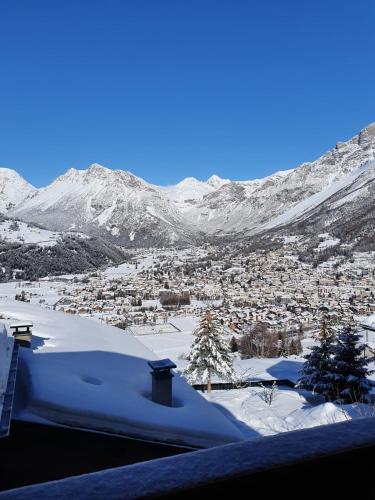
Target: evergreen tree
<point>349,367</point>
<point>233,344</point>
<point>282,345</point>
<point>301,331</point>
<point>298,346</point>
<point>295,346</point>
<point>316,371</point>
<point>209,353</point>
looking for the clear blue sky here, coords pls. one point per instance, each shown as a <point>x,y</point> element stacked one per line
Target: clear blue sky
<point>173,88</point>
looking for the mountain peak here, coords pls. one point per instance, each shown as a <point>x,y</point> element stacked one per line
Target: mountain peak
<point>367,134</point>
<point>188,180</point>
<point>13,189</point>
<point>13,174</point>
<point>96,167</point>
<point>215,181</point>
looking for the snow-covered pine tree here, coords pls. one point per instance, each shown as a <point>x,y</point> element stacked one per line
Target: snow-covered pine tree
<point>233,344</point>
<point>349,367</point>
<point>282,345</point>
<point>316,371</point>
<point>209,353</point>
<point>298,346</point>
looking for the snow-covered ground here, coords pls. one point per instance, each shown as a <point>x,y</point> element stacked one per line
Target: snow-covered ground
<point>45,291</point>
<point>86,374</point>
<point>176,345</point>
<point>128,269</point>
<point>327,241</point>
<point>369,320</point>
<point>246,408</point>
<point>172,341</point>
<point>289,411</point>
<point>21,232</point>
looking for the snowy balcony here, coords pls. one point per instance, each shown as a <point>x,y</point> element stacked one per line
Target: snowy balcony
<point>332,461</point>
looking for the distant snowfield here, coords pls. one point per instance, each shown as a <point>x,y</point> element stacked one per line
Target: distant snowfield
<point>328,241</point>
<point>45,291</point>
<point>87,374</point>
<point>129,269</point>
<point>20,232</point>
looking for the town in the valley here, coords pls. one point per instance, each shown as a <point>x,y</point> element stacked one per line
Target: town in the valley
<point>270,305</point>
<point>273,288</point>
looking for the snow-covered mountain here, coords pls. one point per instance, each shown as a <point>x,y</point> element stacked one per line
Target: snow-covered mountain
<point>111,203</point>
<point>13,189</point>
<point>252,206</point>
<point>344,211</point>
<point>119,206</point>
<point>191,189</point>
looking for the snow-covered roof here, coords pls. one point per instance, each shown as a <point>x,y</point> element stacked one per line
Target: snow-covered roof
<point>84,373</point>
<point>369,320</point>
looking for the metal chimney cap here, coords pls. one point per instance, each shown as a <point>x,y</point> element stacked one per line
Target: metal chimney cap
<point>24,324</point>
<point>162,365</point>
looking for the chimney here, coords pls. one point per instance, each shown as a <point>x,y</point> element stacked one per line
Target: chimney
<point>22,333</point>
<point>162,381</point>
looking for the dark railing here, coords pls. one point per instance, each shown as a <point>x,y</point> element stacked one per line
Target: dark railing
<point>223,386</point>
<point>335,460</point>
<point>35,453</point>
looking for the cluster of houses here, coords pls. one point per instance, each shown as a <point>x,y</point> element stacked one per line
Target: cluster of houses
<point>269,287</point>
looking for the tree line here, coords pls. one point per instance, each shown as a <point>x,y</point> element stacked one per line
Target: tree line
<point>70,255</point>
<point>260,342</point>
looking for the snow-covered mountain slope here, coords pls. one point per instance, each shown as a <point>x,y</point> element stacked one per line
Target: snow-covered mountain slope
<point>249,207</point>
<point>304,208</point>
<point>62,253</point>
<point>121,207</point>
<point>235,206</point>
<point>13,189</point>
<point>16,231</point>
<point>114,204</point>
<point>191,189</point>
<point>345,211</point>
